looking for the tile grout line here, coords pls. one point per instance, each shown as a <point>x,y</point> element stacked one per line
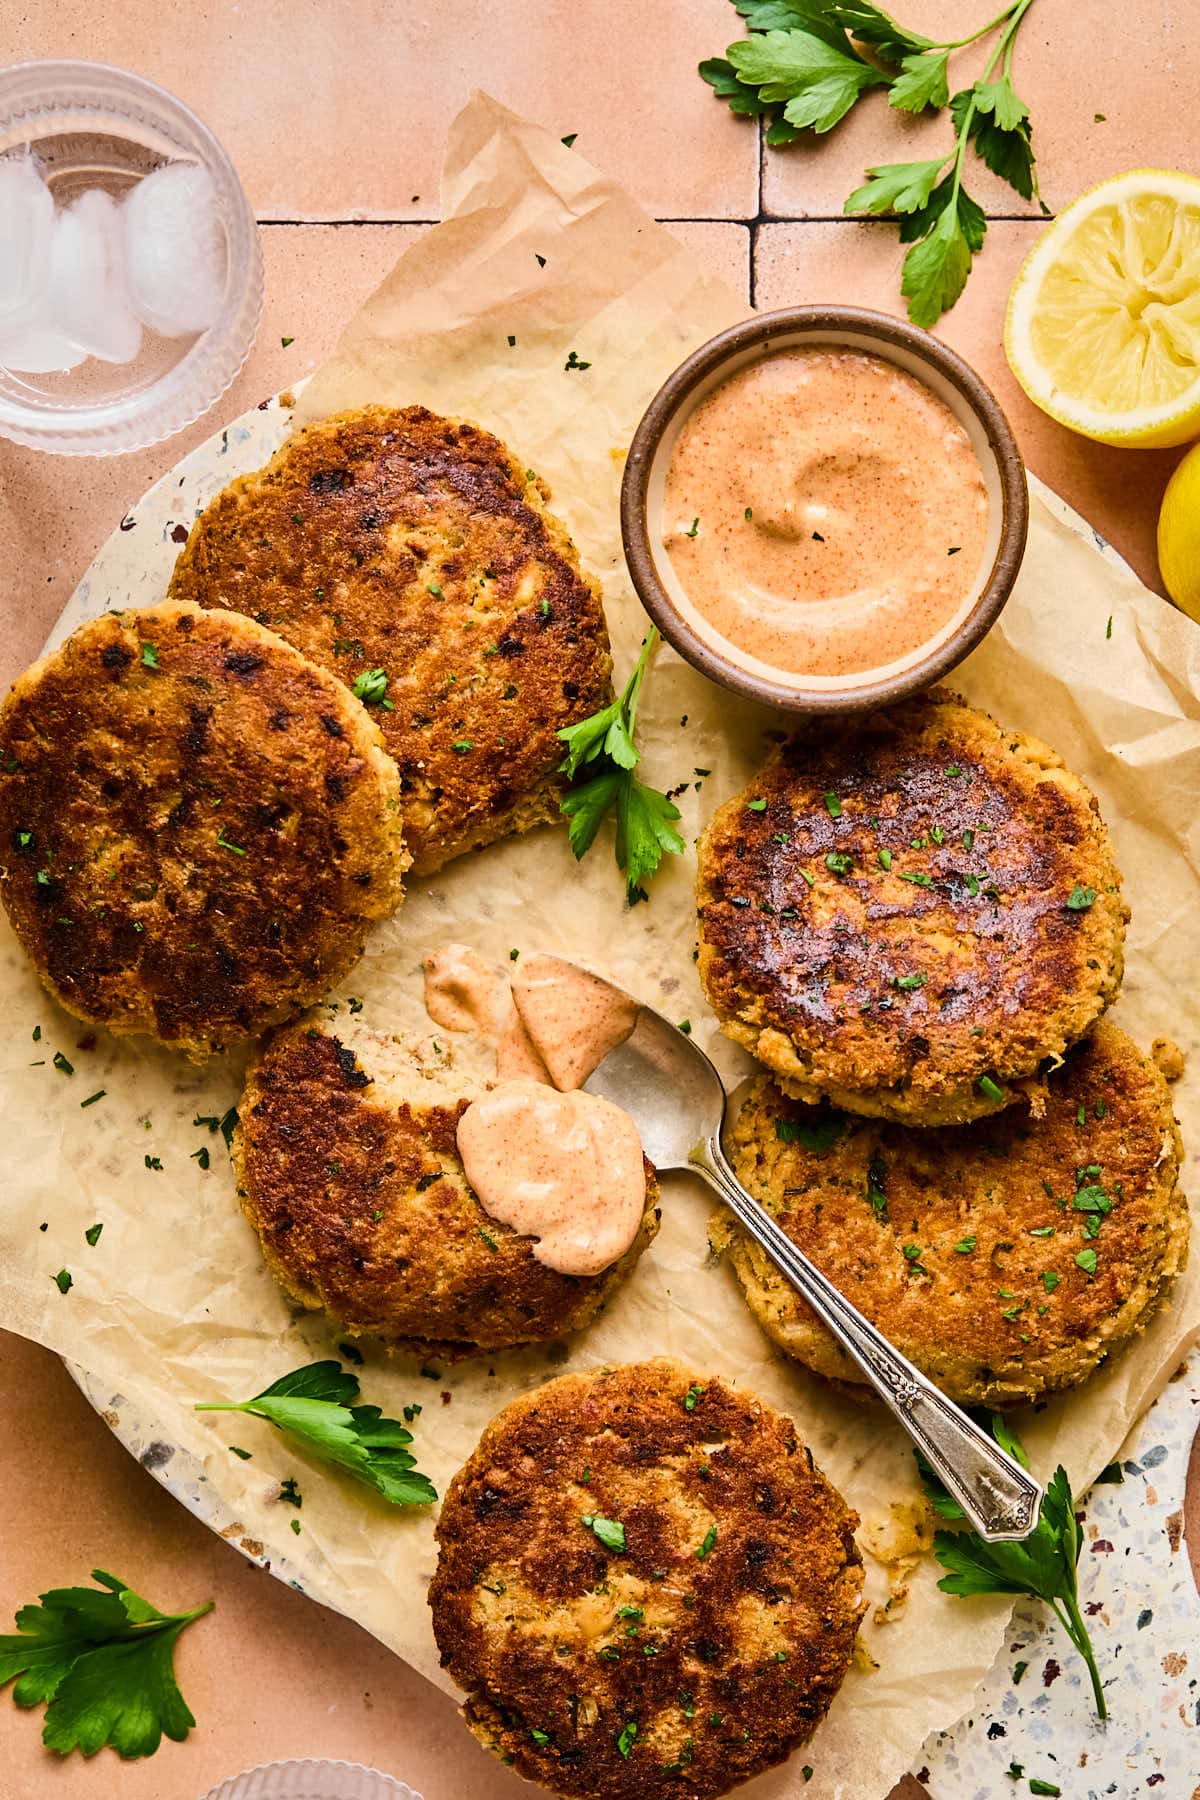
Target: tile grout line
<point>750,221</point>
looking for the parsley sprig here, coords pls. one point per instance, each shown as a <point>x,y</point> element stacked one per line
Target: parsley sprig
<point>103,1659</point>
<point>312,1406</point>
<point>601,750</point>
<point>1044,1565</point>
<point>806,63</point>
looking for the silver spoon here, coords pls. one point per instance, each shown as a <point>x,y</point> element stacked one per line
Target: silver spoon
<point>677,1100</point>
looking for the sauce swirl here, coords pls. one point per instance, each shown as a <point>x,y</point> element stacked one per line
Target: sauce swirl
<point>825,515</point>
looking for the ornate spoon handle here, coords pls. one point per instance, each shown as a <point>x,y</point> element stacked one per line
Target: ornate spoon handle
<point>1001,1499</point>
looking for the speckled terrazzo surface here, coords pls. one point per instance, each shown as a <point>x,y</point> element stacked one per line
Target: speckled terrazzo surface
<point>1033,1720</point>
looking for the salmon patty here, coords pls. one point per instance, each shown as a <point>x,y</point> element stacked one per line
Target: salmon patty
<point>1008,1258</point>
<point>644,1584</point>
<point>196,825</point>
<point>909,915</point>
<point>413,557</point>
<point>348,1168</point>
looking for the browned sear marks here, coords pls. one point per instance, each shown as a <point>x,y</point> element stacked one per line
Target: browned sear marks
<point>699,1644</point>
<point>397,540</point>
<point>908,914</point>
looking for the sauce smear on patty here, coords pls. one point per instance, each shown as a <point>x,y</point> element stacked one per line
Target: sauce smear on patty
<point>565,1169</point>
<point>825,515</point>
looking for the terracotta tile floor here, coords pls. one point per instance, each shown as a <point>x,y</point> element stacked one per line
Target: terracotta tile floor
<point>337,113</point>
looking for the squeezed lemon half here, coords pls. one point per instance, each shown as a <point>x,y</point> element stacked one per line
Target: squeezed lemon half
<point>1103,325</point>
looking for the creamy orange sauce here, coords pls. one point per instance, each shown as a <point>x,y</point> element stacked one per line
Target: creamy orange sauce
<point>565,1169</point>
<point>571,1018</point>
<point>825,515</point>
<point>463,991</point>
<point>516,1057</point>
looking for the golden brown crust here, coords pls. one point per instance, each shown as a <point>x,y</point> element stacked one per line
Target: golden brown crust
<point>363,1210</point>
<point>721,1632</point>
<point>400,540</point>
<point>961,1244</point>
<point>898,990</point>
<point>196,825</point>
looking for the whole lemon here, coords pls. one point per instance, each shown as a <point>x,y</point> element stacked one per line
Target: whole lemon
<point>1179,535</point>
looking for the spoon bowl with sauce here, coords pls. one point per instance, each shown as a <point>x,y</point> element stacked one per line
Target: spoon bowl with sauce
<point>824,509</point>
<point>676,1099</point>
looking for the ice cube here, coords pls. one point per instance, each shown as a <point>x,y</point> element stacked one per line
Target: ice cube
<point>37,350</point>
<point>86,302</point>
<point>26,224</point>
<point>174,250</point>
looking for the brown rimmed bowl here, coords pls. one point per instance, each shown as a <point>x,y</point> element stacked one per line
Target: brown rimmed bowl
<point>799,327</point>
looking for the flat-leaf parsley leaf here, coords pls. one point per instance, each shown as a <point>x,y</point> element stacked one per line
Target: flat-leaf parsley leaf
<point>801,69</point>
<point>313,1406</point>
<point>1044,1565</point>
<point>600,762</point>
<point>104,1660</point>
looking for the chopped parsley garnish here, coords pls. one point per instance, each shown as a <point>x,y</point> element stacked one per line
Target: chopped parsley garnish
<point>239,1452</point>
<point>371,688</point>
<point>1050,1280</point>
<point>710,1538</point>
<point>1086,1259</point>
<point>573,362</point>
<point>149,656</point>
<point>62,1065</point>
<point>909,982</point>
<point>756,806</point>
<point>92,1234</point>
<point>153,1162</point>
<point>92,1098</point>
<point>462,746</point>
<point>225,844</point>
<point>885,859</point>
<point>286,341</point>
<point>833,805</point>
<point>991,1090</point>
<point>610,1532</point>
<point>627,1735</point>
<point>965,1245</point>
<point>64,1281</point>
<point>693,1394</point>
<point>631,1612</point>
<point>1080,899</point>
<point>539,1737</point>
<point>488,1239</point>
<point>924,881</point>
<point>839,862</point>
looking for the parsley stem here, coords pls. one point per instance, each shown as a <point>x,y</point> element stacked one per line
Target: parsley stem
<point>633,687</point>
<point>1077,1631</point>
<point>960,43</point>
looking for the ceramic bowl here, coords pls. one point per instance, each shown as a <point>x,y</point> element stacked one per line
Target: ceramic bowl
<point>804,327</point>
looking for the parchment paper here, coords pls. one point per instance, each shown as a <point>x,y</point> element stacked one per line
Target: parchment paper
<point>174,1303</point>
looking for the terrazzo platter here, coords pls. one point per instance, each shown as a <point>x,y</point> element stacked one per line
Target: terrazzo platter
<point>1034,1708</point>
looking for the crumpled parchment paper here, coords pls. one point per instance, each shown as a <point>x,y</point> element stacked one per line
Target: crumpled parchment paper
<point>174,1304</point>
